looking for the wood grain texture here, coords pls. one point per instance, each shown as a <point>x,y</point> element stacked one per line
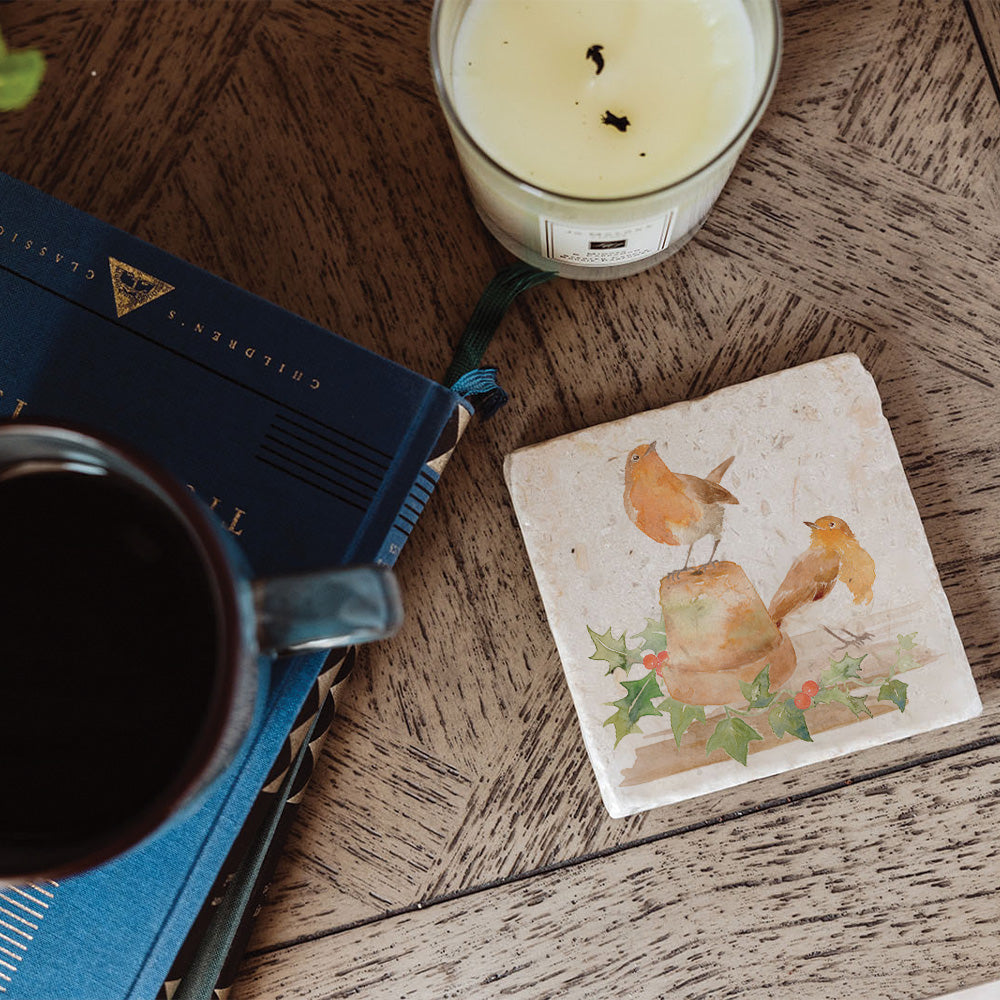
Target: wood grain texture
<point>453,842</point>
<point>884,888</point>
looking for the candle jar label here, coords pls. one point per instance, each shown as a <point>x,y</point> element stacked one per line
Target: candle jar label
<point>596,246</point>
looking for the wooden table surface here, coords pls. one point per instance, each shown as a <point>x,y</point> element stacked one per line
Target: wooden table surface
<point>453,842</point>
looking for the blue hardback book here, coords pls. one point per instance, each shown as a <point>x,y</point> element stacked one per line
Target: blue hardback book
<point>313,452</point>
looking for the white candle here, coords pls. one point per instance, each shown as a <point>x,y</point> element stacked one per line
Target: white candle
<point>606,98</point>
<point>623,116</point>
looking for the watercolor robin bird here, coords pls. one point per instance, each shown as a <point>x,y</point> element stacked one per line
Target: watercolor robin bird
<point>671,507</point>
<point>833,554</point>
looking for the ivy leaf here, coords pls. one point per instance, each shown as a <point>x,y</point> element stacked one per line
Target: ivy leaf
<point>894,691</point>
<point>734,736</point>
<point>786,718</point>
<point>636,704</point>
<point>843,670</point>
<point>20,76</point>
<point>613,651</point>
<point>757,693</point>
<point>654,635</point>
<point>905,660</point>
<point>681,716</point>
<point>857,705</point>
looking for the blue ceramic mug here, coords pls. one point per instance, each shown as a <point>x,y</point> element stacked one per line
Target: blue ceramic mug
<point>134,645</point>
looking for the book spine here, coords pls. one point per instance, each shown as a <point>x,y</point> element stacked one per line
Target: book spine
<point>319,713</point>
<point>314,718</point>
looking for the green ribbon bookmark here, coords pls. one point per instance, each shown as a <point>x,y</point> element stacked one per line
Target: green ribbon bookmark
<point>504,287</point>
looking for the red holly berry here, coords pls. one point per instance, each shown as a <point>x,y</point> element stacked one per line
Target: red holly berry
<point>649,661</point>
<point>802,700</point>
<point>662,656</point>
<point>810,688</point>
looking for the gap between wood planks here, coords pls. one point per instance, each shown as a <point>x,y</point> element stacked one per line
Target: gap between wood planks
<point>991,70</point>
<point>541,872</point>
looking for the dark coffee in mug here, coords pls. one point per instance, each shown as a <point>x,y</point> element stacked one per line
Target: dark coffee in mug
<point>135,646</point>
<point>109,642</point>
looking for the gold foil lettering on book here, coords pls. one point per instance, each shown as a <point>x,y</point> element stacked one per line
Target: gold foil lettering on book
<point>230,522</point>
<point>249,352</point>
<point>134,288</point>
<point>28,244</point>
<point>19,405</point>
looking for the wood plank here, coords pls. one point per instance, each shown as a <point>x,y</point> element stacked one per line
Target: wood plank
<point>924,103</point>
<point>879,889</point>
<point>119,97</point>
<point>985,19</point>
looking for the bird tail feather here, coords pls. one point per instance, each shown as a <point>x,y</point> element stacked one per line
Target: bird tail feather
<point>715,476</point>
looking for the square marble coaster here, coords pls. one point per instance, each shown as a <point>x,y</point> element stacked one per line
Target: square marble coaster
<point>738,585</point>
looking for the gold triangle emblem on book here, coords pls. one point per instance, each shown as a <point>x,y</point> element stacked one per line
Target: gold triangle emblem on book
<point>134,288</point>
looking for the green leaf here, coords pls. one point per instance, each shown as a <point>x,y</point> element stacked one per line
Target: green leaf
<point>613,651</point>
<point>734,736</point>
<point>905,660</point>
<point>835,695</point>
<point>654,635</point>
<point>757,693</point>
<point>681,716</point>
<point>20,76</point>
<point>636,704</point>
<point>784,717</point>
<point>894,691</point>
<point>843,670</point>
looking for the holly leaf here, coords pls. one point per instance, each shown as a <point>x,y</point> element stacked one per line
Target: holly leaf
<point>613,651</point>
<point>638,702</point>
<point>827,696</point>
<point>843,670</point>
<point>20,76</point>
<point>734,736</point>
<point>757,692</point>
<point>654,635</point>
<point>784,717</point>
<point>907,641</point>
<point>894,691</point>
<point>681,716</point>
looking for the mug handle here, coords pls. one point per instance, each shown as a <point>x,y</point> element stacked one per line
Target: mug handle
<point>324,609</point>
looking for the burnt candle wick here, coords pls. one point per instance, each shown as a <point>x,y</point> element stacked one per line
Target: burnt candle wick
<point>621,124</point>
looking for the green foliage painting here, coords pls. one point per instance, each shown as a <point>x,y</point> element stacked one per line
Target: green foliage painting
<point>784,712</point>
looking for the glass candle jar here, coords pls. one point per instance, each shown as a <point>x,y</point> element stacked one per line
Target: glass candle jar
<point>595,135</point>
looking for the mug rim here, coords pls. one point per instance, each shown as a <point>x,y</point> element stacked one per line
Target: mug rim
<point>198,768</point>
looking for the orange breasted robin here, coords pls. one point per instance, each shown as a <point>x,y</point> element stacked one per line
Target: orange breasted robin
<point>671,507</point>
<point>833,554</point>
